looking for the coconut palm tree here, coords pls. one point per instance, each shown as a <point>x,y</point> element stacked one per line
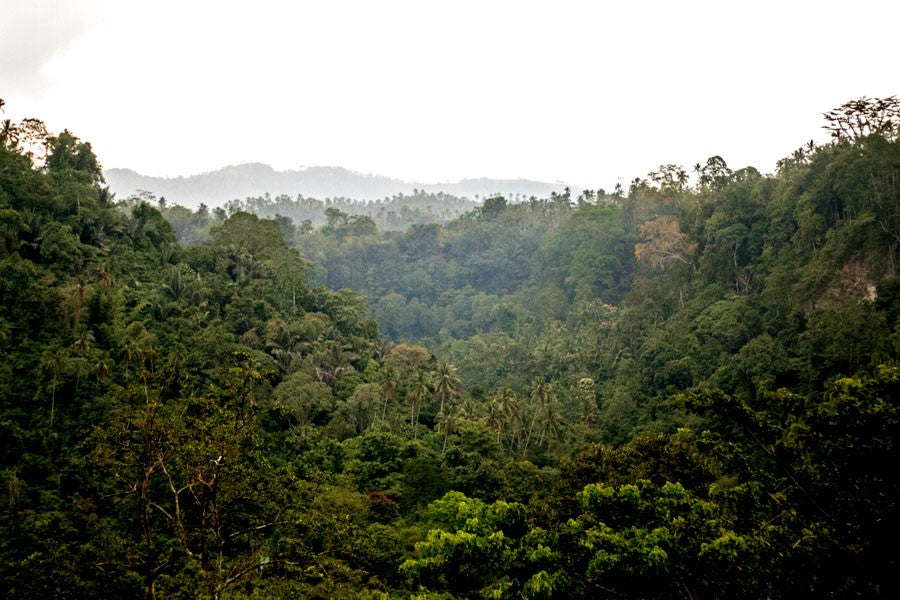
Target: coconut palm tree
<point>508,403</point>
<point>416,395</point>
<point>84,342</point>
<point>446,424</point>
<point>469,409</point>
<point>551,424</point>
<point>9,134</point>
<point>54,362</point>
<point>540,394</point>
<point>446,384</point>
<point>495,418</point>
<point>388,389</point>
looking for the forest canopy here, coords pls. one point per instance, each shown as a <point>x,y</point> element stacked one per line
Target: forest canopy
<point>688,388</point>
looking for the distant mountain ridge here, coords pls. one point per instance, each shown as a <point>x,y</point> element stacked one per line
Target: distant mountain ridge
<point>215,188</point>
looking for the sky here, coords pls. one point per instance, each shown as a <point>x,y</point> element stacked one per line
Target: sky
<point>588,93</point>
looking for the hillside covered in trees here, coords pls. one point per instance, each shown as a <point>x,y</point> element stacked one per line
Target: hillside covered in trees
<point>684,389</point>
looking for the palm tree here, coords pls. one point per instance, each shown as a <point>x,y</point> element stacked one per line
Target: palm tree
<point>333,362</point>
<point>104,278</point>
<point>380,349</point>
<point>416,396</point>
<point>54,362</point>
<point>552,422</point>
<point>469,410</point>
<point>446,424</point>
<point>446,383</point>
<point>176,286</point>
<point>135,340</point>
<point>508,403</point>
<point>540,394</point>
<point>495,418</point>
<point>280,343</point>
<point>84,342</point>
<point>388,389</point>
<point>102,367</point>
<point>9,134</point>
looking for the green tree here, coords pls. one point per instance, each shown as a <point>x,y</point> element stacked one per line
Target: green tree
<point>445,383</point>
<point>420,387</point>
<point>483,549</point>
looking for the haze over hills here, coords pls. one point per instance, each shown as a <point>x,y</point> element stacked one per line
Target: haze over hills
<point>255,179</point>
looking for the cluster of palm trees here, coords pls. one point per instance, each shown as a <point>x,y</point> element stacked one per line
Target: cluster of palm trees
<point>521,424</point>
<point>442,385</point>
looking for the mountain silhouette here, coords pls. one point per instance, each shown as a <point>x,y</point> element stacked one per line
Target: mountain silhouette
<point>215,188</point>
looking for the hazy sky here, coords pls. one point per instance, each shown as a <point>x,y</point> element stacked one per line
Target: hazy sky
<point>583,92</point>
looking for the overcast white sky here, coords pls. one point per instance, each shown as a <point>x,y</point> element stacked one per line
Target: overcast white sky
<point>583,92</point>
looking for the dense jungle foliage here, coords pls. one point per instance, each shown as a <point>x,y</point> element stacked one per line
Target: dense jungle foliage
<point>685,389</point>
